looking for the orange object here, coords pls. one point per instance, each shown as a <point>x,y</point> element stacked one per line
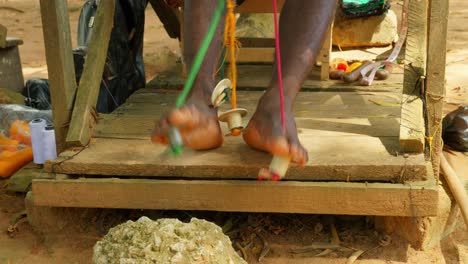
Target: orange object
<point>236,132</point>
<point>339,64</point>
<point>20,131</point>
<point>8,144</point>
<point>6,153</point>
<point>11,148</point>
<point>354,66</point>
<point>7,141</point>
<point>12,163</point>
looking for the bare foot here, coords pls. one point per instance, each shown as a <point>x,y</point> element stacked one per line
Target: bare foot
<point>264,132</point>
<point>198,125</point>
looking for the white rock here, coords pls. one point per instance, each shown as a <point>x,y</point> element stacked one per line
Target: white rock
<point>165,241</point>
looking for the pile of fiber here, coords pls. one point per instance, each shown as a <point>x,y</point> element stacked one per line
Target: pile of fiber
<point>165,241</point>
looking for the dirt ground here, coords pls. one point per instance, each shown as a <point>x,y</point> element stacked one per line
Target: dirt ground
<point>22,18</point>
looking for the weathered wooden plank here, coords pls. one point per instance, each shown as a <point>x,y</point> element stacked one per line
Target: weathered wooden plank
<point>325,52</point>
<point>140,127</point>
<point>412,124</point>
<point>259,76</point>
<point>58,49</point>
<point>255,55</point>
<point>3,35</point>
<point>22,179</point>
<point>303,102</point>
<point>325,111</point>
<point>308,104</point>
<point>82,122</point>
<point>242,196</point>
<point>258,6</point>
<point>319,114</point>
<point>435,81</point>
<point>359,140</point>
<point>11,73</point>
<point>12,42</point>
<point>180,15</point>
<point>256,42</point>
<point>168,17</point>
<point>412,129</point>
<point>353,158</point>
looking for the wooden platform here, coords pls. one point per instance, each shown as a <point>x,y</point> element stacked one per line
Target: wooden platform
<point>351,133</point>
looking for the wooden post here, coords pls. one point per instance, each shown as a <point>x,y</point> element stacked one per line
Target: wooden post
<point>324,55</point>
<point>3,35</point>
<point>58,49</point>
<point>168,17</point>
<point>83,118</point>
<point>180,16</point>
<point>258,6</point>
<point>435,81</point>
<point>412,129</point>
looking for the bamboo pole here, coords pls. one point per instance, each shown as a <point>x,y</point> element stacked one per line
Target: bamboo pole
<point>455,186</point>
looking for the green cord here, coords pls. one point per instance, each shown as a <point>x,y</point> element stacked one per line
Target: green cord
<point>200,55</point>
<point>177,150</point>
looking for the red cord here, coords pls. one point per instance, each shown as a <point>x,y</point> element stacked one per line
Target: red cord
<point>278,64</point>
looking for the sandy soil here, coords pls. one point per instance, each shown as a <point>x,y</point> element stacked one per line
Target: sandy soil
<point>27,246</point>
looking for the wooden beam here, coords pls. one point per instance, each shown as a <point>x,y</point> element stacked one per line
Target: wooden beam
<point>258,77</point>
<point>412,129</point>
<point>82,121</point>
<point>140,127</point>
<point>258,6</point>
<point>251,42</point>
<point>11,73</point>
<point>167,16</point>
<point>413,199</point>
<point>58,49</point>
<point>180,16</point>
<point>435,81</point>
<point>255,55</point>
<point>3,35</point>
<point>324,55</point>
<point>332,158</point>
<point>22,179</point>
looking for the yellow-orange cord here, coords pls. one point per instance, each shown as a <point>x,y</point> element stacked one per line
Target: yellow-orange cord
<point>236,132</point>
<point>230,42</point>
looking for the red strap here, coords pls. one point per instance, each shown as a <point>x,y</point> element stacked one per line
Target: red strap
<point>278,64</point>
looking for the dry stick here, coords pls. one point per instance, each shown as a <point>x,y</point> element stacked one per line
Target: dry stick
<point>455,186</point>
<point>9,8</point>
<point>315,245</point>
<point>265,249</point>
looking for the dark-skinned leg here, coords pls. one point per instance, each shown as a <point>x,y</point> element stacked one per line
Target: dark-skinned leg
<point>197,121</point>
<point>303,25</point>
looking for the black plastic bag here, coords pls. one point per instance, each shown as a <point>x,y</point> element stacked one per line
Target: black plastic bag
<point>37,94</point>
<point>124,71</point>
<point>455,129</point>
